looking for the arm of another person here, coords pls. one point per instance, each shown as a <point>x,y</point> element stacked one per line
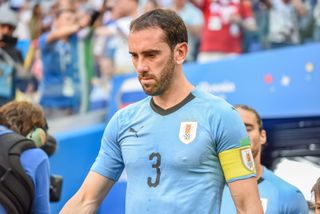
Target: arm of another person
<point>89,196</point>
<point>42,186</point>
<point>245,195</point>
<point>66,31</point>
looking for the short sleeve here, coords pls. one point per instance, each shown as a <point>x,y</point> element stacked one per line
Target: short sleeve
<point>109,162</point>
<point>233,146</point>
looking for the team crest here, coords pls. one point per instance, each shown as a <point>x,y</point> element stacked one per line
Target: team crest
<point>188,132</point>
<point>247,158</point>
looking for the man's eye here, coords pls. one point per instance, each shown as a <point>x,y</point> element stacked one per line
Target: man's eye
<point>151,55</point>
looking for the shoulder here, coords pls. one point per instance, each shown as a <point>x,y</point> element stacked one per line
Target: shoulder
<point>34,156</point>
<point>210,98</point>
<point>290,198</point>
<point>216,105</point>
<point>284,188</point>
<point>133,110</point>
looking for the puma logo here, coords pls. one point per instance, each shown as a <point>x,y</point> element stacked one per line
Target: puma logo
<point>135,131</point>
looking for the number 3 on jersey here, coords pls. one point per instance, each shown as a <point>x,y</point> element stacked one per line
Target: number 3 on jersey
<point>156,166</point>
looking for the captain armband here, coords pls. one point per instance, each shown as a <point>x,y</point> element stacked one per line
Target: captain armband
<point>237,163</point>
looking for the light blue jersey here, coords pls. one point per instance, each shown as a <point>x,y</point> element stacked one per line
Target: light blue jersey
<point>277,196</point>
<point>173,157</point>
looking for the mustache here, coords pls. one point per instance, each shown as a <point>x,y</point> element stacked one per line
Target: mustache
<point>146,75</point>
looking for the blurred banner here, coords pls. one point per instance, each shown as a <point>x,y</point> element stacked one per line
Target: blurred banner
<point>279,83</point>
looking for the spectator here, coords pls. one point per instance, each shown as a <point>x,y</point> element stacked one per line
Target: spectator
<point>28,120</point>
<point>316,191</point>
<point>60,85</point>
<point>284,23</point>
<point>10,56</point>
<point>276,195</point>
<point>223,20</point>
<point>258,40</point>
<point>191,146</point>
<point>316,15</point>
<point>193,18</point>
<point>118,30</point>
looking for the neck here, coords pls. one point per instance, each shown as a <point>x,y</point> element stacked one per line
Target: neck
<point>179,89</point>
<point>259,167</point>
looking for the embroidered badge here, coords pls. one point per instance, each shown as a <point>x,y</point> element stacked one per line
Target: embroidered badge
<point>188,132</point>
<point>247,158</point>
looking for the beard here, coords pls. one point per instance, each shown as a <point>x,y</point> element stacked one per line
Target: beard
<point>163,82</point>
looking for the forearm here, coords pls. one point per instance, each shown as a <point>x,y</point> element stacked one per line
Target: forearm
<point>250,207</point>
<point>89,197</point>
<point>78,204</point>
<point>62,33</point>
<point>246,196</point>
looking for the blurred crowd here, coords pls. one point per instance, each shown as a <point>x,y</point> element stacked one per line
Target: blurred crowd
<point>75,47</point>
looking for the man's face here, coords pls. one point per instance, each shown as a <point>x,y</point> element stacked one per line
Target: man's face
<point>66,18</point>
<point>6,30</point>
<point>257,136</point>
<point>153,60</point>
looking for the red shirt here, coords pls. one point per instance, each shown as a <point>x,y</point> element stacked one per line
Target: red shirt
<point>219,34</point>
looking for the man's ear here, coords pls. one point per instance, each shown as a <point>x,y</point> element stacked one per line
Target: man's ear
<point>180,52</point>
<point>263,137</point>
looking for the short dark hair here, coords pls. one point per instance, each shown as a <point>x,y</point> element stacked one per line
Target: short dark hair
<point>248,108</point>
<point>167,20</point>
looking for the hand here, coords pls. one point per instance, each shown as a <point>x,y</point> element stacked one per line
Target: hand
<point>84,21</point>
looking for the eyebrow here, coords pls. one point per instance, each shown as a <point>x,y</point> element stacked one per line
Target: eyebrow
<point>152,51</point>
<point>249,125</point>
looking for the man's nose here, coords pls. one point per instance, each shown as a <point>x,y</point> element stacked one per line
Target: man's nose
<point>141,66</point>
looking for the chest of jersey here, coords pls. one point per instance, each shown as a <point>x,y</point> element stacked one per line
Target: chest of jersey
<point>176,144</point>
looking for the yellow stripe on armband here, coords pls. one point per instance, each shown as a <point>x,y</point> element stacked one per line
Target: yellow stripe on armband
<point>237,162</point>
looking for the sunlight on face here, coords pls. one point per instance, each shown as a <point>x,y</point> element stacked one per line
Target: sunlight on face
<point>252,126</point>
<point>153,60</point>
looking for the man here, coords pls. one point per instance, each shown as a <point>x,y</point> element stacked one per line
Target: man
<point>316,191</point>
<point>174,142</point>
<point>224,21</point>
<point>28,120</point>
<point>10,57</point>
<point>60,87</point>
<point>276,195</point>
<point>115,33</point>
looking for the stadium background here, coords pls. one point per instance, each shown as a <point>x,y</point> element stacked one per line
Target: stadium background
<point>283,85</point>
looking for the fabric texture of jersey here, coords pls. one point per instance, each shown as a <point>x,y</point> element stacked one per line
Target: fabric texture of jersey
<point>36,164</point>
<point>171,156</point>
<point>276,195</point>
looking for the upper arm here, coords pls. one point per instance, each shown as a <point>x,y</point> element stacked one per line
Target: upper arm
<point>233,146</point>
<point>246,196</point>
<point>90,195</point>
<point>41,201</point>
